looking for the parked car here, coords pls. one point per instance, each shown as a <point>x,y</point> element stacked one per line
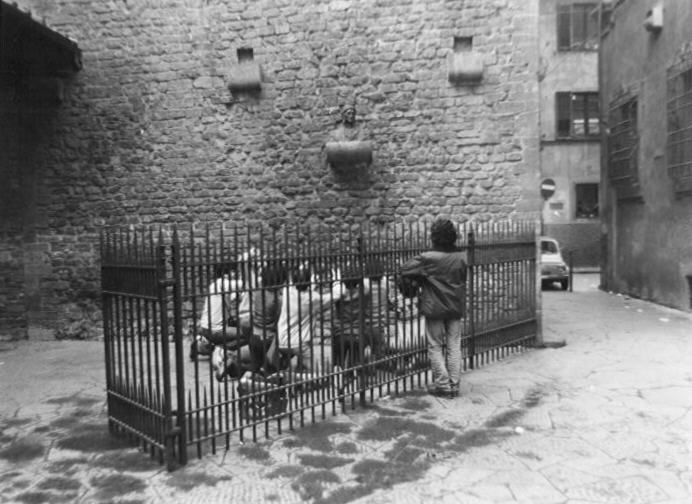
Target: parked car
<point>553,267</point>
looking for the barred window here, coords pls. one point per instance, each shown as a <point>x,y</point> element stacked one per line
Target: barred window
<point>577,115</point>
<point>623,140</point>
<point>577,27</point>
<point>680,124</point>
<point>587,201</point>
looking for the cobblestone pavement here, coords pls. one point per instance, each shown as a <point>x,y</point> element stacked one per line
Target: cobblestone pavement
<point>607,418</point>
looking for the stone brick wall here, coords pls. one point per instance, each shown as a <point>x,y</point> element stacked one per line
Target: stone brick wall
<point>15,128</point>
<point>149,131</point>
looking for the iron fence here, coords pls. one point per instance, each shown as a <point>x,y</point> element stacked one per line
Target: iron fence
<point>216,331</point>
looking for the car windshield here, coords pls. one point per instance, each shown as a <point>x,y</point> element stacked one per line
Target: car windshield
<point>548,247</point>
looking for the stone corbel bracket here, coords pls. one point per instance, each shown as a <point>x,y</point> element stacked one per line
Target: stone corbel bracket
<point>245,76</point>
<point>466,66</point>
<point>349,153</point>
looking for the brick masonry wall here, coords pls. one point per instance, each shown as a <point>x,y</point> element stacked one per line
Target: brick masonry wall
<point>150,133</point>
<point>13,131</point>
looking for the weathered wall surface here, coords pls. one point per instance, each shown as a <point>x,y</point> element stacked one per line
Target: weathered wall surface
<point>567,162</point>
<point>149,131</point>
<point>22,260</point>
<point>648,249</point>
<point>581,239</point>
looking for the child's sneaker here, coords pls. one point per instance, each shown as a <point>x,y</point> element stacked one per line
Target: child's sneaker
<point>454,391</point>
<point>438,391</point>
<point>200,346</point>
<point>261,396</point>
<point>224,364</point>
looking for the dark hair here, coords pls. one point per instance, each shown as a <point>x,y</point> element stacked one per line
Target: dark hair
<point>301,277</point>
<point>225,268</point>
<point>443,234</point>
<point>273,275</point>
<point>374,269</point>
<point>352,277</point>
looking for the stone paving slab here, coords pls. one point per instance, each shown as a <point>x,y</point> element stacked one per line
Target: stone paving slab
<point>605,419</point>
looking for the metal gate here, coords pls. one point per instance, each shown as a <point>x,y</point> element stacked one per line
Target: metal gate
<point>158,287</point>
<point>141,318</point>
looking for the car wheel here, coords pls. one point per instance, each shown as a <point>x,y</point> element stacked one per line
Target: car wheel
<point>564,283</point>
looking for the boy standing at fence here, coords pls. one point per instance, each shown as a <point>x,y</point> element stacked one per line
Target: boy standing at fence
<point>441,275</point>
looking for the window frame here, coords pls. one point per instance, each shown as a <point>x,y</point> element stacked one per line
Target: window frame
<point>591,215</point>
<point>679,127</point>
<point>623,139</point>
<point>575,16</point>
<point>587,99</point>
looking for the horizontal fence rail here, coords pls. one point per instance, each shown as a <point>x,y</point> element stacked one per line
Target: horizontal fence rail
<point>216,331</point>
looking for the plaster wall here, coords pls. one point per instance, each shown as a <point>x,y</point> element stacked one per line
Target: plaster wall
<point>149,131</point>
<point>649,253</point>
<point>567,162</point>
<point>560,70</point>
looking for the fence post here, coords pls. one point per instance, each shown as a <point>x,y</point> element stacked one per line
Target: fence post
<point>164,282</point>
<point>537,282</point>
<point>471,293</point>
<point>361,319</point>
<point>571,270</point>
<point>180,428</point>
<point>107,317</point>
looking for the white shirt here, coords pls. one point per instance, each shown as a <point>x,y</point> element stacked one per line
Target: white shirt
<point>216,308</point>
<point>295,321</point>
<point>301,312</point>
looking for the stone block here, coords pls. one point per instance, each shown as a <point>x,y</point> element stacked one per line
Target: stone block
<point>348,153</point>
<point>246,76</point>
<point>465,67</point>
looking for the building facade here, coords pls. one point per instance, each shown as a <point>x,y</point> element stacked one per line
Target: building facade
<point>569,125</point>
<point>646,84</point>
<point>193,111</point>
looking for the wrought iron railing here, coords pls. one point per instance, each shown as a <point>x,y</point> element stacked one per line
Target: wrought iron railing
<point>359,337</point>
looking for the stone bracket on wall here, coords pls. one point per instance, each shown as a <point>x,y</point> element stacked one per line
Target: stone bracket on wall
<point>349,153</point>
<point>246,75</point>
<point>465,65</point>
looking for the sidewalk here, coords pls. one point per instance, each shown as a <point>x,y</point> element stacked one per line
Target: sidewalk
<point>605,419</point>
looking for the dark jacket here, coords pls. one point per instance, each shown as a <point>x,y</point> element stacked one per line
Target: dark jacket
<point>442,276</point>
